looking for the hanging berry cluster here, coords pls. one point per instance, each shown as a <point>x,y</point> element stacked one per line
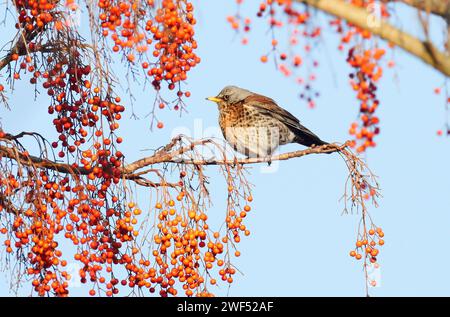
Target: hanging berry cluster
<point>364,56</point>
<point>58,207</point>
<point>367,244</point>
<point>79,107</point>
<point>289,61</point>
<point>186,246</point>
<point>363,80</point>
<point>170,30</point>
<point>34,14</point>
<point>367,249</point>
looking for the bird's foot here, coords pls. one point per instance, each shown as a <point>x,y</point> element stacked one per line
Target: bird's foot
<point>235,162</point>
<point>269,160</point>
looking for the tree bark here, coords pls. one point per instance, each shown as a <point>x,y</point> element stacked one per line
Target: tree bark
<point>171,157</point>
<point>359,17</point>
<point>438,7</point>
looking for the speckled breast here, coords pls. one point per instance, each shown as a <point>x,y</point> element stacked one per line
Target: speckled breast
<point>250,132</point>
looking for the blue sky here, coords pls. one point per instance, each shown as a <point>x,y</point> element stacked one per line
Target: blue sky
<point>300,240</point>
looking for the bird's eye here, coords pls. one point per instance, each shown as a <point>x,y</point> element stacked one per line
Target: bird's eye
<point>225,97</point>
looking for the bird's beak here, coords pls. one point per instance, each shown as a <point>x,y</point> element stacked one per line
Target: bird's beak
<point>214,99</point>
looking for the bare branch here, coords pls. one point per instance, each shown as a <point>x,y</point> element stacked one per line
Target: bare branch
<point>437,7</point>
<point>162,156</point>
<point>423,50</point>
<point>29,160</point>
<point>171,158</point>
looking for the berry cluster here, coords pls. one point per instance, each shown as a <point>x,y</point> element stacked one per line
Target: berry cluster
<point>289,61</point>
<point>367,247</point>
<point>363,80</point>
<point>188,250</point>
<point>368,244</point>
<point>170,31</point>
<point>365,74</point>
<point>34,14</point>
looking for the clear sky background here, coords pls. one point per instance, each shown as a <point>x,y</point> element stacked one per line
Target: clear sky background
<point>300,240</point>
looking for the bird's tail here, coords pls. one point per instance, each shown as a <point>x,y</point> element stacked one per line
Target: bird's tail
<point>305,137</point>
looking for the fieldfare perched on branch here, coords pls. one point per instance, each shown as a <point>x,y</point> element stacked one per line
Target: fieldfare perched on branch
<point>255,125</point>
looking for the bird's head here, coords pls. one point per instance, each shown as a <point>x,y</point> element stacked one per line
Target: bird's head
<point>230,95</point>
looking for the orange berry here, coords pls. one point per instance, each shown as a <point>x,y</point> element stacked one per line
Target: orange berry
<point>131,57</point>
<point>137,212</point>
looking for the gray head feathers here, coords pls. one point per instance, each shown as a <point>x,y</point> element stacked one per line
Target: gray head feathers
<point>233,94</point>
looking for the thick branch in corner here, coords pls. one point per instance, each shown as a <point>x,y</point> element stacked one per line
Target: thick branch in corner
<point>437,7</point>
<point>359,17</point>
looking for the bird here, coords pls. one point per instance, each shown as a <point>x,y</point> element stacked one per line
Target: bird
<point>254,125</point>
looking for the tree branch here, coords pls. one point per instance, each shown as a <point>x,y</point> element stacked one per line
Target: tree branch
<point>37,162</point>
<point>170,158</point>
<point>359,17</point>
<point>20,47</point>
<point>438,7</point>
<point>158,158</point>
<point>29,160</point>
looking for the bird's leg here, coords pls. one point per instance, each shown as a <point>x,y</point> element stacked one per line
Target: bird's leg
<point>235,161</point>
<point>268,159</point>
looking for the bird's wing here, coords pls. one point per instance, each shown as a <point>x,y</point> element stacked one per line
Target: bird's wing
<point>269,107</point>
